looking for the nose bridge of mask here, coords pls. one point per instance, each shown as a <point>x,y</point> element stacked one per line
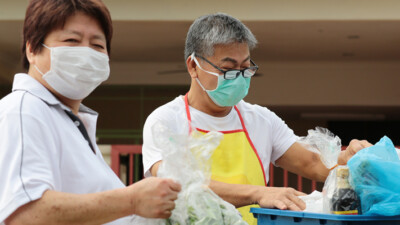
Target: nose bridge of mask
<point>77,55</point>
<point>239,82</point>
<point>82,50</point>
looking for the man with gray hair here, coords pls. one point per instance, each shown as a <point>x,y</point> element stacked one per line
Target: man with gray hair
<point>217,54</point>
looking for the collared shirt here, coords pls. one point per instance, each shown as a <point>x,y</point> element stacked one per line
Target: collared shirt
<point>41,149</point>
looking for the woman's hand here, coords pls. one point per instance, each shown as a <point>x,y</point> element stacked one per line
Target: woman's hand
<point>154,197</point>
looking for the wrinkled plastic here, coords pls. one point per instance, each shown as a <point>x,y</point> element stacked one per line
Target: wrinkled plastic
<point>375,176</point>
<point>187,160</point>
<point>325,143</point>
<point>328,146</point>
<point>313,202</point>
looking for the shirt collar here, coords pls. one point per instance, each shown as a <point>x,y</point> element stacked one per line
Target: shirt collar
<point>24,82</point>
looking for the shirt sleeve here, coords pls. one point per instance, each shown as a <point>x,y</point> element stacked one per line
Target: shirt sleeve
<point>170,116</point>
<point>282,137</point>
<point>151,153</point>
<point>28,163</point>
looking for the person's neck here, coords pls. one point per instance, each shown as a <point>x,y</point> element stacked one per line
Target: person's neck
<point>70,103</point>
<point>203,103</point>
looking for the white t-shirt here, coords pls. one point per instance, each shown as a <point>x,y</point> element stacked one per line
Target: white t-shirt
<point>269,134</point>
<point>42,149</point>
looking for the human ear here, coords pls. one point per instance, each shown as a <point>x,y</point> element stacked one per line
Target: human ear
<point>29,53</point>
<point>191,67</point>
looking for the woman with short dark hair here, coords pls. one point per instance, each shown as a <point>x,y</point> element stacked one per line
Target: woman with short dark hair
<point>51,169</point>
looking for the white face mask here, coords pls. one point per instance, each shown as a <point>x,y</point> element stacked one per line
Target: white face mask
<point>76,71</point>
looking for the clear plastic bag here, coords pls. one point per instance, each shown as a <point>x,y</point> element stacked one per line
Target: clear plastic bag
<point>375,175</point>
<point>313,202</point>
<point>325,143</point>
<point>187,160</point>
<point>328,146</point>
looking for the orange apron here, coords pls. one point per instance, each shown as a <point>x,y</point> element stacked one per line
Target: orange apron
<point>236,161</point>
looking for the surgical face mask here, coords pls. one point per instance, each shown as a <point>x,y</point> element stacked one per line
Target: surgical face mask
<point>76,71</point>
<point>227,92</point>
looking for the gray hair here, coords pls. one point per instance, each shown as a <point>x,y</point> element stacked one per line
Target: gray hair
<point>213,29</point>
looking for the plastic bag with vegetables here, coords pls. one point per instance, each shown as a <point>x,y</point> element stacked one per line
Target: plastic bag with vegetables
<point>186,159</point>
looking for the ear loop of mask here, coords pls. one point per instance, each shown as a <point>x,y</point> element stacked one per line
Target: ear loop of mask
<point>198,64</point>
<point>197,79</point>
<point>35,64</point>
<point>38,70</point>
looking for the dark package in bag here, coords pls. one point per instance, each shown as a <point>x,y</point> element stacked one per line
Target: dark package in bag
<point>344,200</point>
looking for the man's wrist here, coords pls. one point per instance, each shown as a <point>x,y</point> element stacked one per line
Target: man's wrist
<point>124,199</point>
<point>256,193</point>
<point>342,159</point>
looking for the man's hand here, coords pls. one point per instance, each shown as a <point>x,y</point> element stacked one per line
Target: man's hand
<point>281,198</point>
<point>354,146</point>
<point>154,197</point>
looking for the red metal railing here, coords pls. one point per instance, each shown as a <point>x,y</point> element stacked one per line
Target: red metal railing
<point>299,187</point>
<point>130,150</point>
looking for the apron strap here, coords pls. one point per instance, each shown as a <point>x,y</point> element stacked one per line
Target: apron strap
<point>241,119</point>
<point>188,113</point>
<point>190,119</point>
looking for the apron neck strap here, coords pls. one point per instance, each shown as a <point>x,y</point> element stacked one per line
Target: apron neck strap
<point>241,119</point>
<point>188,112</point>
<point>190,119</point>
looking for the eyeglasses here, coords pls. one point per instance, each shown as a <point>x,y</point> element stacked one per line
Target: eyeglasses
<point>233,74</point>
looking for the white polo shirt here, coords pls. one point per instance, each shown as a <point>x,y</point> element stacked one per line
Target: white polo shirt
<point>269,133</point>
<point>42,149</point>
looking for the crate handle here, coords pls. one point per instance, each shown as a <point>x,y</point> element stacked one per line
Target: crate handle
<point>297,219</point>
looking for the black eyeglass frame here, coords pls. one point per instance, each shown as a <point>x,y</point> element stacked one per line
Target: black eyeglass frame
<point>254,67</point>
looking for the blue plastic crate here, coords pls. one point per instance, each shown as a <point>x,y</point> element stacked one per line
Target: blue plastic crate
<point>286,217</point>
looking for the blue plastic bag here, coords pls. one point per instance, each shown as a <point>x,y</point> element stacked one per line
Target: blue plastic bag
<point>375,176</point>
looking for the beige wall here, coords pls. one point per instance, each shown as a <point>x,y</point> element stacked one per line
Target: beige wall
<point>329,83</point>
<point>293,83</point>
<point>248,10</point>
